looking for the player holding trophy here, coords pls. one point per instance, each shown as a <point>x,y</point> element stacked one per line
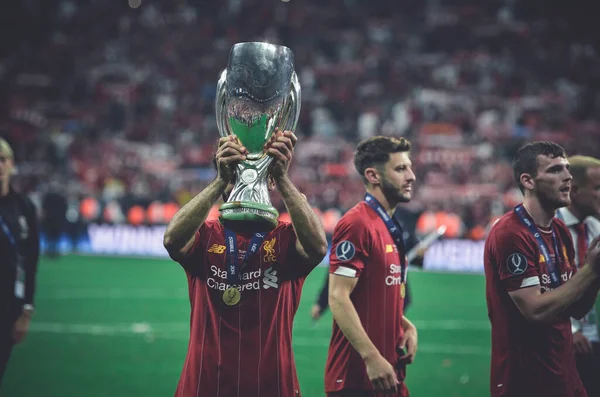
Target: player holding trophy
<point>245,271</point>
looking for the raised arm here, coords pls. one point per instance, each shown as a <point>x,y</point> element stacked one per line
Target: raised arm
<point>311,243</point>
<point>180,233</point>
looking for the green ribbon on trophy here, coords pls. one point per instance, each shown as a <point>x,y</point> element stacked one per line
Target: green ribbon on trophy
<point>258,93</point>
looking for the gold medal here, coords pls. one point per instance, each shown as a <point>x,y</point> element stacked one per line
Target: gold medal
<point>232,296</point>
<point>402,290</point>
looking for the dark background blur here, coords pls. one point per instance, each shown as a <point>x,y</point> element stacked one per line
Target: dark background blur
<point>111,102</point>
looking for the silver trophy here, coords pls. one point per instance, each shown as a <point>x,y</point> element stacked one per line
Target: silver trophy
<point>258,93</point>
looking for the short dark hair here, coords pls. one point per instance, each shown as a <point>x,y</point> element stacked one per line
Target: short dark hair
<point>525,161</point>
<point>375,152</point>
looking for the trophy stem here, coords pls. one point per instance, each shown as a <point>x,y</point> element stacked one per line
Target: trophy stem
<point>249,205</point>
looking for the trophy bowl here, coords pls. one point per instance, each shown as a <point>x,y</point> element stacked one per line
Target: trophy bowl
<point>258,93</point>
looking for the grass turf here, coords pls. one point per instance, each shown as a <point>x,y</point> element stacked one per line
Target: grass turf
<point>119,326</point>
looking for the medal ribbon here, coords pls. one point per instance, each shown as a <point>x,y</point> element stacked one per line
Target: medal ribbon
<point>395,231</point>
<point>232,254</point>
<point>553,269</point>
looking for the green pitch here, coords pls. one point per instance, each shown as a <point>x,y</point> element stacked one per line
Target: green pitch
<point>119,327</point>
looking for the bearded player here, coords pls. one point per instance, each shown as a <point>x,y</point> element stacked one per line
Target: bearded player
<point>532,284</point>
<point>372,341</point>
<point>241,335</point>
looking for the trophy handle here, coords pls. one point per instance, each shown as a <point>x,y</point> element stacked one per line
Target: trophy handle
<point>221,112</point>
<point>291,112</point>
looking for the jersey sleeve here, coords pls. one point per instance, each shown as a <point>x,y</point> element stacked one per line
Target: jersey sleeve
<point>517,261</point>
<point>194,260</point>
<point>349,248</point>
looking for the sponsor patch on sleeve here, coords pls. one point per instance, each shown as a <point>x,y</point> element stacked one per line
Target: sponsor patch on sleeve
<point>345,251</point>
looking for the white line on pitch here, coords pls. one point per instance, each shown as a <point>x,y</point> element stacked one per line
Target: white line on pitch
<point>179,331</point>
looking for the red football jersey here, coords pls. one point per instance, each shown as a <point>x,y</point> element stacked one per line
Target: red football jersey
<point>363,247</point>
<point>243,350</point>
<point>528,359</point>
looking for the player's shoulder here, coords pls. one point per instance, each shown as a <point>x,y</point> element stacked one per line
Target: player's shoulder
<point>212,224</point>
<point>508,226</point>
<point>359,216</point>
<point>212,228</point>
<point>283,227</point>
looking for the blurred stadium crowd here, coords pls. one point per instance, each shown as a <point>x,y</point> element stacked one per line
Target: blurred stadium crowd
<point>112,103</point>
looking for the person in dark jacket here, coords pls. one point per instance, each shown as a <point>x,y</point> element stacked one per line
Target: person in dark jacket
<point>19,255</point>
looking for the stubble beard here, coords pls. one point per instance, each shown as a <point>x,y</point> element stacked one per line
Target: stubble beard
<point>393,193</point>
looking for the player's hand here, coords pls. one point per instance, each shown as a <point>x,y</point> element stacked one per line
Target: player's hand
<point>408,343</point>
<point>315,312</point>
<point>382,374</point>
<point>21,327</point>
<point>581,344</point>
<point>281,147</point>
<point>230,152</point>
<point>593,254</point>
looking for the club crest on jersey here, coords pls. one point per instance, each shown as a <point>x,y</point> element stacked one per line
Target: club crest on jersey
<point>345,251</point>
<point>269,247</point>
<point>516,264</point>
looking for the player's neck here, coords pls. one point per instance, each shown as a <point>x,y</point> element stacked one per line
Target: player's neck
<point>541,215</point>
<point>387,206</point>
<point>577,213</point>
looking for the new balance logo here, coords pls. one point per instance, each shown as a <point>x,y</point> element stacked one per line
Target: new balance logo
<point>389,248</point>
<point>217,249</point>
<point>270,280</point>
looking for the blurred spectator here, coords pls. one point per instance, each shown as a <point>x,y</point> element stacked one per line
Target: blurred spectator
<point>54,216</point>
<point>126,106</point>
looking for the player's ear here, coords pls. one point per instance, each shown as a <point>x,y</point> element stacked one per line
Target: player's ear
<point>527,181</point>
<point>373,176</point>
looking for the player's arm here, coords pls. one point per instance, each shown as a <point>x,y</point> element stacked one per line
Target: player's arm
<point>180,234</point>
<point>311,242</point>
<point>546,307</point>
<point>579,309</point>
<point>583,306</point>
<point>380,371</point>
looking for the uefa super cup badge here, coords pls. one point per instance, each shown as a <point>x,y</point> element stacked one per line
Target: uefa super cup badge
<point>258,93</point>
